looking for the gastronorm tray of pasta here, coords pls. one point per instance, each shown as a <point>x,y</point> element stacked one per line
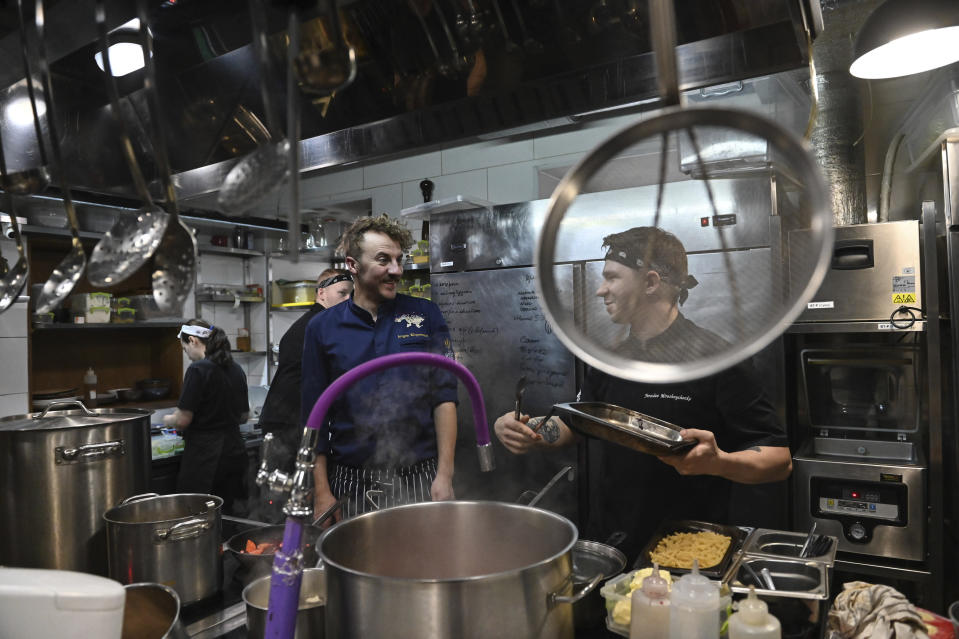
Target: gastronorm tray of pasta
<point>677,543</point>
<point>623,426</point>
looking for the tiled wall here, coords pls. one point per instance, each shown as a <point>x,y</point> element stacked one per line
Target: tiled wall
<point>13,350</point>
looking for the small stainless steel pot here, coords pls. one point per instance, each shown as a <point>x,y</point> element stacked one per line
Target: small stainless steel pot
<point>169,539</point>
<point>152,611</point>
<point>310,614</point>
<point>591,558</point>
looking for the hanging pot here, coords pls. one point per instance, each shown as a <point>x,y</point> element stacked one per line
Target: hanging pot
<point>61,471</point>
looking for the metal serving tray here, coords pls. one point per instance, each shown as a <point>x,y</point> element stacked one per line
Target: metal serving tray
<point>624,427</point>
<point>784,544</point>
<point>737,535</point>
<point>793,578</point>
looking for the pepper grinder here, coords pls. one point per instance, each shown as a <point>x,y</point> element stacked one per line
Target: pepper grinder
<point>426,188</point>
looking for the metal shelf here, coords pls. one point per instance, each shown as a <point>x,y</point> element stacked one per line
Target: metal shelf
<point>416,267</point>
<point>203,299</point>
<point>288,309</point>
<point>247,353</point>
<point>919,326</point>
<point>62,326</point>
<point>36,229</point>
<point>446,205</point>
<point>325,254</point>
<point>229,250</point>
<point>910,573</point>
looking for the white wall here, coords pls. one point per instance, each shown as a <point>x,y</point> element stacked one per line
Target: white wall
<point>13,349</point>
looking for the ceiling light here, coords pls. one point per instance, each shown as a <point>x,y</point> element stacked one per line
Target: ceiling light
<point>902,37</point>
<point>19,112</point>
<point>125,57</point>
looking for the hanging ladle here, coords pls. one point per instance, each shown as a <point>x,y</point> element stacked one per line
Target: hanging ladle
<point>134,237</point>
<point>15,279</point>
<point>262,172</point>
<point>68,272</point>
<point>35,179</point>
<point>174,264</point>
<point>330,69</point>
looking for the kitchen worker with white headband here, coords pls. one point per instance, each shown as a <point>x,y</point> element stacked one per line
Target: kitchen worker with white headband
<point>212,405</point>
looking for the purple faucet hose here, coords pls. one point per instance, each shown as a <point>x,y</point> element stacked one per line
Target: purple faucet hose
<point>285,582</point>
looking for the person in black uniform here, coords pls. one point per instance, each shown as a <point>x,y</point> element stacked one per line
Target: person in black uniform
<point>739,438</point>
<point>281,410</point>
<point>212,405</point>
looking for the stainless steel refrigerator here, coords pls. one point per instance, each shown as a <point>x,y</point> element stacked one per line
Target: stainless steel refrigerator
<point>483,280</point>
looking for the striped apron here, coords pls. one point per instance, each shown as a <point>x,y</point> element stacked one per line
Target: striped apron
<point>371,489</point>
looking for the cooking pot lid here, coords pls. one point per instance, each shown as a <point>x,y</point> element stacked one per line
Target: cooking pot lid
<point>591,558</point>
<point>61,419</point>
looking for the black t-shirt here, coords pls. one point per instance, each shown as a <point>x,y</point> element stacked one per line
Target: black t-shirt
<point>634,492</point>
<point>282,405</point>
<point>216,395</point>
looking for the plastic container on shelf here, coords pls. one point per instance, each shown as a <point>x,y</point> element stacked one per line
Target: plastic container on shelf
<point>90,388</point>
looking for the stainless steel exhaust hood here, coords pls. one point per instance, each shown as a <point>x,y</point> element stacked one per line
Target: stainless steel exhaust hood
<point>465,71</point>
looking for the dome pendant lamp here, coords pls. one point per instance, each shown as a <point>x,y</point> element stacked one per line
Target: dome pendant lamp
<point>902,37</point>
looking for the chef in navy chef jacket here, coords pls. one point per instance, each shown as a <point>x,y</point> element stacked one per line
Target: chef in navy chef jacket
<point>390,438</point>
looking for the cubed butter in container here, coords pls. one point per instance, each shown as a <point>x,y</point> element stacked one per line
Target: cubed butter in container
<point>85,301</point>
<point>97,315</point>
<point>125,315</point>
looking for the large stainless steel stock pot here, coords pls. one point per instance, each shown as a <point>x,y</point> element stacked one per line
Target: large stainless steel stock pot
<point>451,569</point>
<point>168,539</point>
<point>59,472</point>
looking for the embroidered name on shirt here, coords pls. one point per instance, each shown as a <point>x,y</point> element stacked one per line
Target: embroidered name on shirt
<point>680,398</point>
<point>411,319</point>
<point>409,335</point>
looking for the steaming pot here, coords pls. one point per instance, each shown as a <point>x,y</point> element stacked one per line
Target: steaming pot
<point>451,569</point>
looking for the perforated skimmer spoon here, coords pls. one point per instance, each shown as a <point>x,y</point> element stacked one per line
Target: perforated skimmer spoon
<point>68,272</point>
<point>174,264</point>
<point>134,237</point>
<point>35,179</point>
<point>263,171</point>
<point>15,279</point>
<point>751,295</point>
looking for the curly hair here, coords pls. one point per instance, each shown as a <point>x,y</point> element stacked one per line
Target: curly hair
<point>217,344</point>
<point>351,242</point>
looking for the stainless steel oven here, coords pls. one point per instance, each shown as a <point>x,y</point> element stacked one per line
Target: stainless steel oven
<point>869,388</point>
<point>875,507</point>
<point>875,269</point>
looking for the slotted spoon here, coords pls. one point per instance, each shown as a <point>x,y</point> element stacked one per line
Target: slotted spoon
<point>174,264</point>
<point>262,172</point>
<point>134,237</point>
<point>68,272</point>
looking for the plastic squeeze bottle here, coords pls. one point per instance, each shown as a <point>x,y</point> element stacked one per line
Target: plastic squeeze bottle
<point>649,618</point>
<point>694,607</point>
<point>753,620</point>
<point>90,388</point>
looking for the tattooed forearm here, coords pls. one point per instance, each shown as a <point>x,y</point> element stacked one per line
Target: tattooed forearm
<point>550,431</point>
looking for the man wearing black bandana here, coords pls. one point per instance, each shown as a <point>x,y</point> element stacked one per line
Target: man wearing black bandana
<point>281,410</point>
<point>740,439</point>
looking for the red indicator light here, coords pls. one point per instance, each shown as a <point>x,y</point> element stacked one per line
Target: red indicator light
<point>704,221</point>
<point>855,495</point>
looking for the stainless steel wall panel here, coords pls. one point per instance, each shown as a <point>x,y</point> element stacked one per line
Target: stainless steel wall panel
<point>500,333</point>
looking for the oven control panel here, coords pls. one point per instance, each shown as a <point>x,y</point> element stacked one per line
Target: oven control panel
<point>859,506</point>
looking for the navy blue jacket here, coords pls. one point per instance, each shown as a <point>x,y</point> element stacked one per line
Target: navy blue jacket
<point>386,419</point>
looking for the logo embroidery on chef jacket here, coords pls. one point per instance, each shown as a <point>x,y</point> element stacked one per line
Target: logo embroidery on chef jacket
<point>411,319</point>
<point>679,398</point>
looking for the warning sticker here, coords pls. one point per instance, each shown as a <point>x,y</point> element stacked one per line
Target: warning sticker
<point>903,298</point>
<point>903,283</point>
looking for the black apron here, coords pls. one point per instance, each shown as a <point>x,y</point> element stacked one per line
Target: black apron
<point>214,463</point>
